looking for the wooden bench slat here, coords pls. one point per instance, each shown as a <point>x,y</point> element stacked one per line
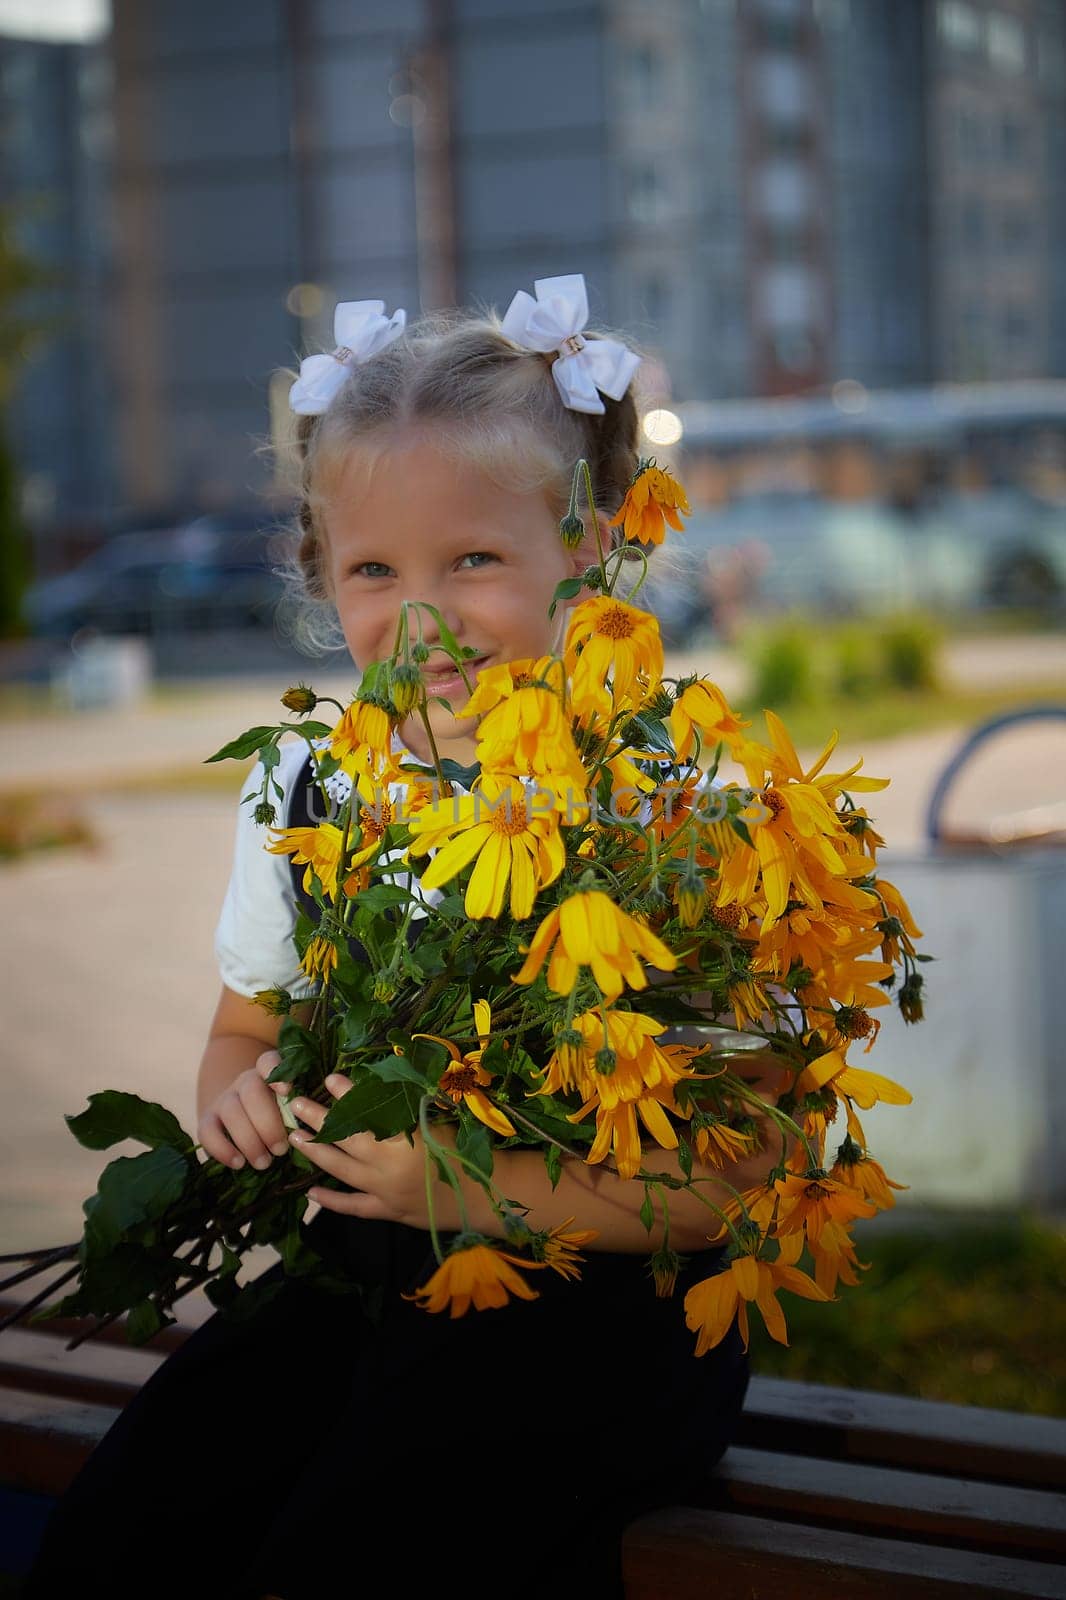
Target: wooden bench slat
<point>691,1554</point>
<point>908,1504</point>
<point>106,1374</point>
<point>47,1437</point>
<point>896,1430</point>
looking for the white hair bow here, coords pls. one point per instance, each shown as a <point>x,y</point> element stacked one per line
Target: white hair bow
<point>553,321</point>
<point>361,330</point>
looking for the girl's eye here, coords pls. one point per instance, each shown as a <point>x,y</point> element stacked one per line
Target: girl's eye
<point>479,556</point>
<point>371,569</point>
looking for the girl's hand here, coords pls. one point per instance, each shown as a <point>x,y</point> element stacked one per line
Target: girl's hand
<point>387,1177</point>
<point>245,1122</point>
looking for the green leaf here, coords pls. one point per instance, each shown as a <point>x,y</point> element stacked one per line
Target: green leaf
<point>565,591</point>
<point>647,1213</point>
<point>447,637</point>
<point>741,829</point>
<point>145,1320</point>
<point>309,730</point>
<point>300,1052</point>
<point>116,1281</point>
<point>355,1026</point>
<point>472,1141</point>
<point>251,1299</point>
<point>379,896</point>
<point>553,1164</point>
<point>656,734</point>
<point>396,1069</point>
<point>372,1106</point>
<point>246,744</point>
<point>115,1115</point>
<point>133,1190</point>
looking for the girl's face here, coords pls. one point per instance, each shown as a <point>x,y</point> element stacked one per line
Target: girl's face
<point>428,528</point>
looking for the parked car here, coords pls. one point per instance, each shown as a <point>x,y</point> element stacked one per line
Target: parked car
<point>210,573</point>
<point>797,551</point>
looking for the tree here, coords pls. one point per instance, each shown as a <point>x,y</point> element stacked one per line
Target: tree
<point>21,331</point>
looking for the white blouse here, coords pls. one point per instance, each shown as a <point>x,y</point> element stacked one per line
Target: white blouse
<point>253,937</point>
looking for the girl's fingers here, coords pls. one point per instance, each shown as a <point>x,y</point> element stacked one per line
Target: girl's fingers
<point>352,1204</point>
<point>212,1136</point>
<point>265,1115</point>
<point>309,1111</point>
<point>338,1085</point>
<point>242,1131</point>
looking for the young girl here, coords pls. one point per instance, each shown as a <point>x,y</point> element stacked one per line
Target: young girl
<point>334,1443</point>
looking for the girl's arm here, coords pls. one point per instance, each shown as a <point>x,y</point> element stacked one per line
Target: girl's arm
<point>385,1179</point>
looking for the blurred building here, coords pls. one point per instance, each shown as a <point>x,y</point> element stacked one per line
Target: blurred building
<point>767,196</point>
<point>55,111</point>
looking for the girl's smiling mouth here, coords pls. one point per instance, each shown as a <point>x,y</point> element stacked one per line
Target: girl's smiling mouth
<point>446,677</point>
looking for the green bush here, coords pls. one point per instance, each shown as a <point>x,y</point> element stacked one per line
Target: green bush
<point>910,649</point>
<point>783,665</point>
<point>972,1312</point>
<point>856,660</point>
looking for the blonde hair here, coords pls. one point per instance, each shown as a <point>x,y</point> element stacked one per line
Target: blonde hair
<point>456,378</point>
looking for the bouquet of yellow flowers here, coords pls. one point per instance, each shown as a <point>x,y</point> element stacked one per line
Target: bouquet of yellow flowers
<point>580,945</point>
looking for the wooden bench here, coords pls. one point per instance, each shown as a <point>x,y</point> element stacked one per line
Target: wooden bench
<point>838,1494</point>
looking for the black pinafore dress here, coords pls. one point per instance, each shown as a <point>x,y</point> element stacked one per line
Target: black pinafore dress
<point>317,1450</point>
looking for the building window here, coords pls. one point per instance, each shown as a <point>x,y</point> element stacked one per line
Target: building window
<point>1051,61</point>
<point>972,225</point>
<point>971,135</point>
<point>644,76</point>
<point>646,193</point>
<point>1006,44</point>
<point>959,25</point>
<point>1017,328</point>
<point>1014,141</point>
<point>1017,231</point>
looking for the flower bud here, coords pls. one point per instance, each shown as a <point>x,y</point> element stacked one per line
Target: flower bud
<point>405,687</point>
<point>277,1001</point>
<point>264,812</point>
<point>665,1265</point>
<point>592,578</point>
<point>420,653</point>
<point>691,900</point>
<point>571,530</point>
<point>384,988</point>
<point>910,998</point>
<point>605,1061</point>
<point>300,699</point>
<point>570,1050</point>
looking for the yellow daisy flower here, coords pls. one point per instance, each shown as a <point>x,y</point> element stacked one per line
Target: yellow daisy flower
<point>638,1083</point>
<point>703,708</point>
<point>475,1274</point>
<point>494,826</point>
<point>465,1079</point>
<point>808,1203</point>
<point>558,1248</point>
<point>711,1305</point>
<point>869,1178</point>
<point>361,724</point>
<point>607,639</point>
<point>319,848</point>
<point>319,958</point>
<point>588,929</point>
<point>653,498</point>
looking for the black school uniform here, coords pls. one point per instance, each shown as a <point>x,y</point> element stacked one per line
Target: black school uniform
<point>358,1445</point>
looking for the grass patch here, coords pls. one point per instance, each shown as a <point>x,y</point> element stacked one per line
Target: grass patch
<point>970,1312</point>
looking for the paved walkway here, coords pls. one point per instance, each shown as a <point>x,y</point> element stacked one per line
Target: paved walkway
<point>109,967</point>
